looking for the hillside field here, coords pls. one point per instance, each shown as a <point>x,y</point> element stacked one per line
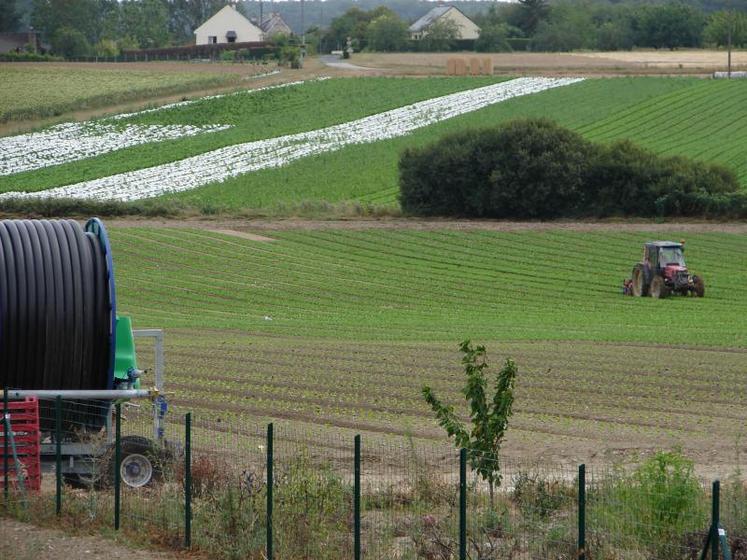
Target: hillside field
<point>41,90</point>
<point>674,116</point>
<point>335,330</point>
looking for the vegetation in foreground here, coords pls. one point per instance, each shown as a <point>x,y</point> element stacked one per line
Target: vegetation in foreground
<point>658,510</point>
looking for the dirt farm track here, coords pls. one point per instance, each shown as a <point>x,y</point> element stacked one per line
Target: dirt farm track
<point>638,62</point>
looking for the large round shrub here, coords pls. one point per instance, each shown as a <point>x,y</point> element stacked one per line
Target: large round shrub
<point>535,169</point>
<point>450,177</point>
<point>521,169</point>
<point>538,170</point>
<point>626,180</point>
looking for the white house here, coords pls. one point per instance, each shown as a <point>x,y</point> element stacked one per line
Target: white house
<point>467,28</point>
<point>227,26</point>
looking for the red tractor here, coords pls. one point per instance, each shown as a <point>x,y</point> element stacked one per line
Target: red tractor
<point>663,271</point>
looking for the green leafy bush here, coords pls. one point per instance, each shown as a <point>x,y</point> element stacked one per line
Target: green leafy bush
<point>228,56</point>
<point>654,507</point>
<point>536,169</point>
<point>28,57</point>
<point>493,38</point>
<point>70,43</point>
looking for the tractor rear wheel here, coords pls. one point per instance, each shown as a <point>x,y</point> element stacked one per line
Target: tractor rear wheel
<point>698,286</point>
<point>639,281</point>
<point>658,288</point>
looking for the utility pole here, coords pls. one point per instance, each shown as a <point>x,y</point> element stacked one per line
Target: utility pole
<point>731,27</point>
<point>321,27</point>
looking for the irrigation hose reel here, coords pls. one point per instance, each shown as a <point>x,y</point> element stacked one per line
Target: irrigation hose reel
<point>59,330</point>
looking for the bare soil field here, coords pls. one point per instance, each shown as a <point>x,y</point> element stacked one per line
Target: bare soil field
<point>227,225</point>
<point>591,63</point>
<point>576,401</point>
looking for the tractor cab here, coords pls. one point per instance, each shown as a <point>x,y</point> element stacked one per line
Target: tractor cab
<point>662,254</point>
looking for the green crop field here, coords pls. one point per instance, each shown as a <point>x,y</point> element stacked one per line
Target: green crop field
<point>336,330</point>
<point>253,116</point>
<point>687,116</point>
<point>668,115</point>
<point>40,90</point>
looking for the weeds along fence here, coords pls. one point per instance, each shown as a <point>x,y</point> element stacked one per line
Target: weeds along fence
<point>278,491</point>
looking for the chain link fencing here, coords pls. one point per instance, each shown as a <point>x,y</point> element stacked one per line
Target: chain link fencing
<point>285,491</point>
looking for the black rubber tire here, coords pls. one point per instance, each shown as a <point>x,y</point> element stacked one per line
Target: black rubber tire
<point>143,447</point>
<point>640,288</point>
<point>659,289</point>
<point>699,286</point>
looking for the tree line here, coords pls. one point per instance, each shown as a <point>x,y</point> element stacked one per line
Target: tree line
<point>104,27</point>
<point>563,25</point>
<point>77,28</point>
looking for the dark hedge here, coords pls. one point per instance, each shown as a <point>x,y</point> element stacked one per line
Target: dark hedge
<point>535,169</point>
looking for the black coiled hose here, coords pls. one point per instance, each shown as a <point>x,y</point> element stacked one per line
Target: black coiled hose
<point>55,308</point>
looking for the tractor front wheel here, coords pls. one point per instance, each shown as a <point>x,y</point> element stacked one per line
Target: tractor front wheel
<point>639,281</point>
<point>658,288</point>
<point>698,286</point>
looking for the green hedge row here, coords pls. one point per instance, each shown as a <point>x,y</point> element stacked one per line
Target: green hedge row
<point>535,169</point>
<point>28,57</point>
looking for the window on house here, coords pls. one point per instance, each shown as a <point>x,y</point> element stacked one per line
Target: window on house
<point>231,36</point>
<point>212,40</point>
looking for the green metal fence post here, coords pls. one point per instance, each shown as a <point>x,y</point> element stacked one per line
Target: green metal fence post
<point>6,485</point>
<point>117,461</point>
<point>188,480</point>
<point>581,512</point>
<point>58,453</point>
<point>715,521</point>
<point>462,504</point>
<point>269,491</point>
<point>357,500</point>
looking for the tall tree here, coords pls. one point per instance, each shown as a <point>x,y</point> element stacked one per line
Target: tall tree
<point>81,15</point>
<point>146,21</point>
<point>387,33</point>
<point>720,24</point>
<point>531,13</point>
<point>9,16</point>
<point>672,25</point>
<point>440,36</point>
<point>184,16</point>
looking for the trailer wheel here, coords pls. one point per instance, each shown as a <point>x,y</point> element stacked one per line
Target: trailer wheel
<point>139,465</point>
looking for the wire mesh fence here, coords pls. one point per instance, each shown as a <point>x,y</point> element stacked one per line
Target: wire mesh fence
<point>255,491</point>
